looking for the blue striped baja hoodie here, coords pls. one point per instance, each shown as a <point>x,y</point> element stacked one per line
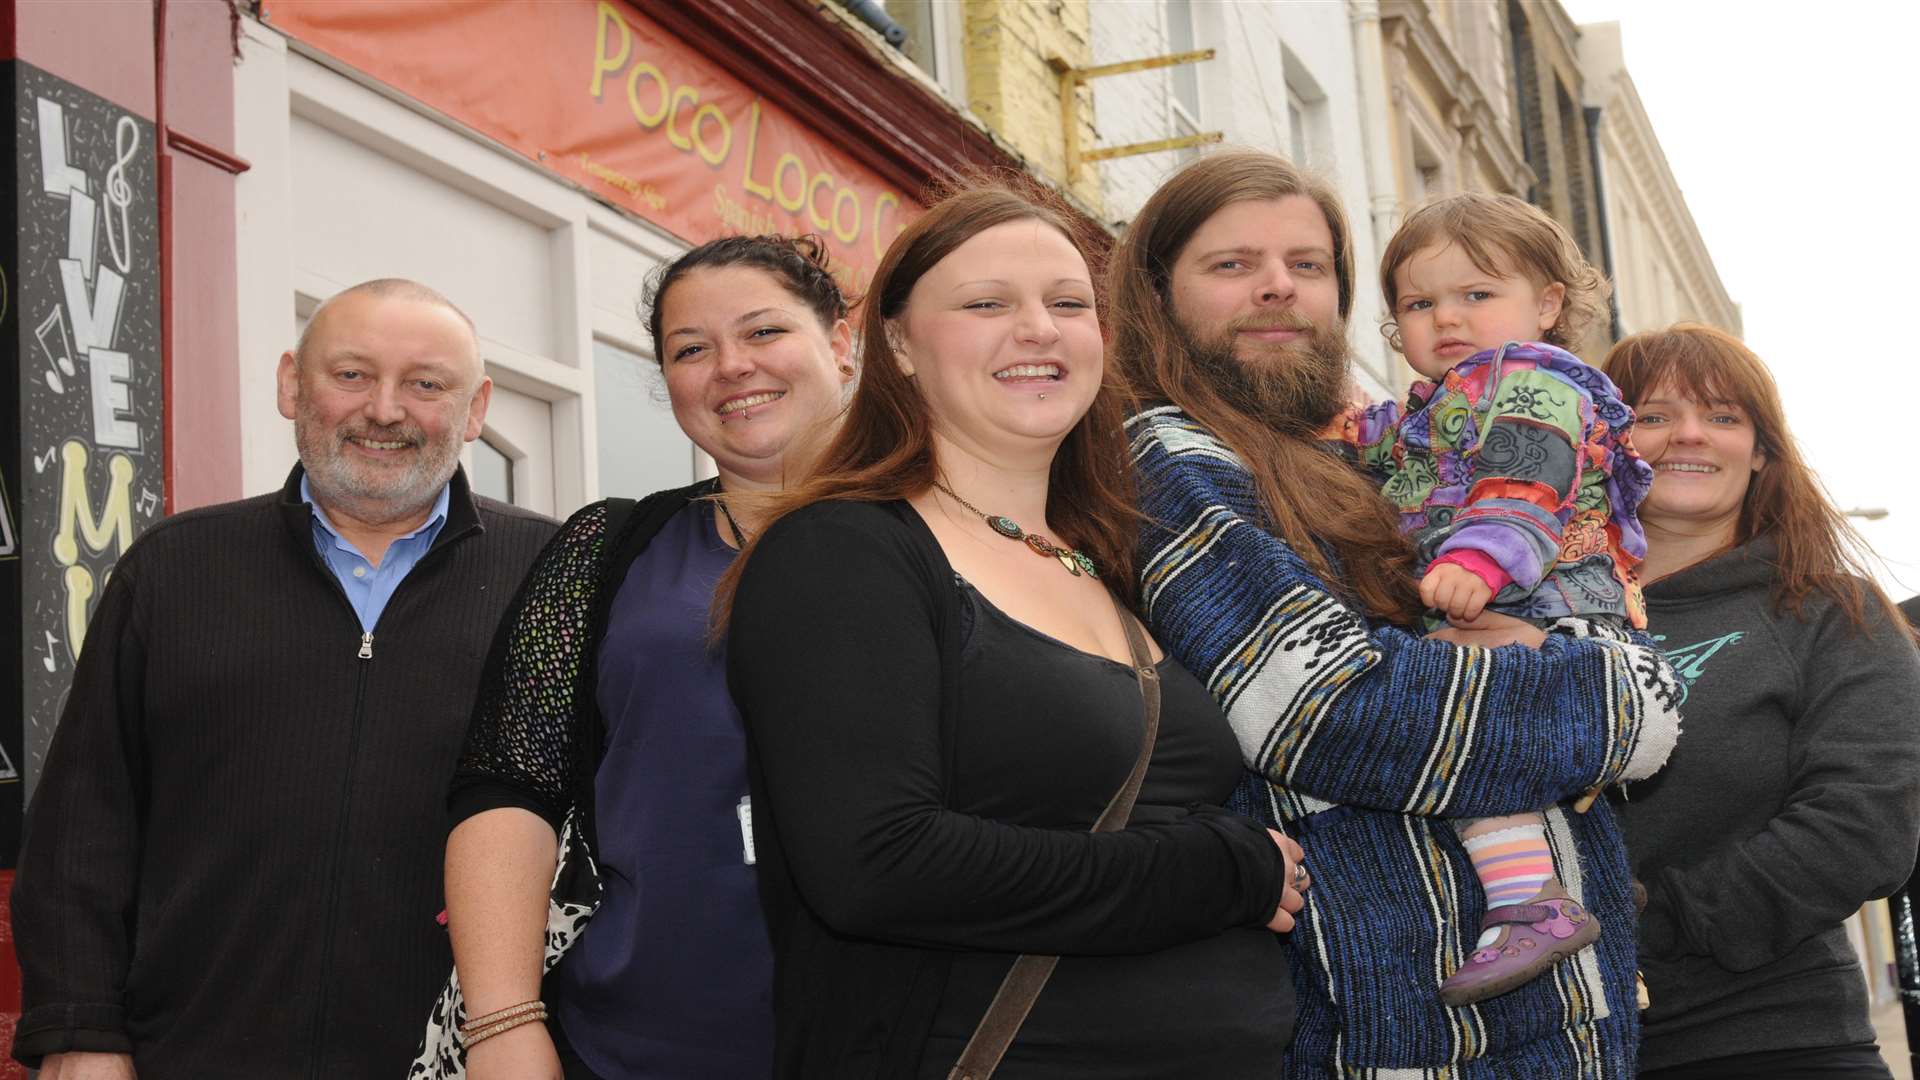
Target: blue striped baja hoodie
<point>1363,742</point>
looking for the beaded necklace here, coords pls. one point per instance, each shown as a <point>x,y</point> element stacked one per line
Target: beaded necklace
<point>739,538</point>
<point>1076,562</point>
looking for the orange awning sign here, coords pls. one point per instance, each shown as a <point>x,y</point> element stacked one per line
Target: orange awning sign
<point>599,94</point>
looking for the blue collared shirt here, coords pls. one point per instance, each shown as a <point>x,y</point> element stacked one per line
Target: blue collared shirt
<point>369,587</point>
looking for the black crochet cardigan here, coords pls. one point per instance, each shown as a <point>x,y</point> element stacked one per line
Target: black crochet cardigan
<point>536,736</point>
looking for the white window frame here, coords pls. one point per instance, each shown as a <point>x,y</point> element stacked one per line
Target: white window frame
<point>280,80</point>
<point>1299,134</point>
<point>948,68</point>
<point>1310,140</point>
<point>949,49</point>
<point>621,327</point>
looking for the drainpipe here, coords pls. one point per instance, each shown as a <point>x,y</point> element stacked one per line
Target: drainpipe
<point>1370,60</point>
<point>1377,131</point>
<point>1600,212</point>
<point>875,16</point>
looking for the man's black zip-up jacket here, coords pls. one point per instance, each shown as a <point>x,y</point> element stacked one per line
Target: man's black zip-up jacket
<point>232,862</point>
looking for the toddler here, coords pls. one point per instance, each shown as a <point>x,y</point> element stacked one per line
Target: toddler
<point>1514,478</point>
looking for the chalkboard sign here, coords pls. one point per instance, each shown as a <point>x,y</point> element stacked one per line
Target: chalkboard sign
<point>83,319</point>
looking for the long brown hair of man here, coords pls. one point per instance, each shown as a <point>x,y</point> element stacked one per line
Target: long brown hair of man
<point>884,449</point>
<point>1328,512</point>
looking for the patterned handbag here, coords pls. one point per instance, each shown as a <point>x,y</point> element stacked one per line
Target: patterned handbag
<point>571,901</point>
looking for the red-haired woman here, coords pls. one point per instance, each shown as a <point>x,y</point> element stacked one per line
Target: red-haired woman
<point>931,650</point>
<point>1794,795</point>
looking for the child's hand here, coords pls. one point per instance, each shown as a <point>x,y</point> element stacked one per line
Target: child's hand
<point>1490,631</point>
<point>1455,590</point>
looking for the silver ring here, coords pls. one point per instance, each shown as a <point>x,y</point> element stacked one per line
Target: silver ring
<point>1299,874</point>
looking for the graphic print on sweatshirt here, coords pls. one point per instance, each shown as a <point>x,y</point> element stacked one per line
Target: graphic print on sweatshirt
<point>1690,660</point>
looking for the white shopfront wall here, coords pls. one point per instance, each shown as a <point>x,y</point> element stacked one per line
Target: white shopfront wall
<point>350,182</point>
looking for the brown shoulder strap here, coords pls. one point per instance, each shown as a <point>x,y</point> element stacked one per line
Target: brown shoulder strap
<point>1029,974</point>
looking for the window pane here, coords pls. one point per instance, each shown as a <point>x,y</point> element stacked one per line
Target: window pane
<point>641,447</point>
<point>916,17</point>
<point>492,471</point>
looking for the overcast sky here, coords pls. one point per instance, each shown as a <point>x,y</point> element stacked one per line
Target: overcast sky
<point>1790,128</point>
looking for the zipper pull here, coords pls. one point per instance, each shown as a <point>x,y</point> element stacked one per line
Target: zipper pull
<point>366,645</point>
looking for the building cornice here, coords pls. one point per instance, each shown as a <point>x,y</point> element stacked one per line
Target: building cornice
<point>1625,121</point>
<point>1568,36</point>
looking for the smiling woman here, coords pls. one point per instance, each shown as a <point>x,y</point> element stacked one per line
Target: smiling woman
<point>744,373</point>
<point>932,648</point>
<point>1800,682</point>
<point>605,739</point>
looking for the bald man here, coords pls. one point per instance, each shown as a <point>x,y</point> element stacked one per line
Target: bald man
<point>231,866</point>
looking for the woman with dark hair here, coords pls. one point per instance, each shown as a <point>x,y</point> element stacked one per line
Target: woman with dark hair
<point>604,740</point>
<point>1794,797</point>
<point>943,685</point>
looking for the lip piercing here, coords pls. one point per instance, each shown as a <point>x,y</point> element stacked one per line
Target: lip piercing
<point>1043,397</point>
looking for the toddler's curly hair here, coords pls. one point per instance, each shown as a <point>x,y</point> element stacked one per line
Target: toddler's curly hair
<point>1501,235</point>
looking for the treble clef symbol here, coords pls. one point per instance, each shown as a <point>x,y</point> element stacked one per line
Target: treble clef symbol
<point>126,141</point>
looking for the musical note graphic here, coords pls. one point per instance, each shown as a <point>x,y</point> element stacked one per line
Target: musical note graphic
<point>57,345</point>
<point>41,461</point>
<point>148,501</point>
<point>126,143</point>
<point>47,660</point>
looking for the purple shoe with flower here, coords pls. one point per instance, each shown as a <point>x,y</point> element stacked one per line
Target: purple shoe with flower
<point>1533,937</point>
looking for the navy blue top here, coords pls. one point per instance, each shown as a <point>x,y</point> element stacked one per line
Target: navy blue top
<point>674,975</point>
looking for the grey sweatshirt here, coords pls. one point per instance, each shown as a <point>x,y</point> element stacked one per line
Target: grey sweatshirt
<point>1792,799</point>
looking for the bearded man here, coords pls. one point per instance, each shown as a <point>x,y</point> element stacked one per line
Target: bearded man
<point>231,866</point>
<point>1275,571</point>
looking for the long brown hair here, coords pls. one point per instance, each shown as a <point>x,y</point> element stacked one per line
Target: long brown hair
<point>1314,501</point>
<point>884,448</point>
<point>1816,549</point>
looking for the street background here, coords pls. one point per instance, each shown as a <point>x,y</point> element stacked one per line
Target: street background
<point>1773,117</point>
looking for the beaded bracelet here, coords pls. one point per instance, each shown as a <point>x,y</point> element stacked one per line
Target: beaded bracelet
<point>486,1027</point>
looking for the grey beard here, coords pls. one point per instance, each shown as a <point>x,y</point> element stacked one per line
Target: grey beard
<point>368,496</point>
<point>1299,389</point>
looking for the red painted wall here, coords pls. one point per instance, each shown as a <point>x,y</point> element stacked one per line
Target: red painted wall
<point>105,46</point>
<point>203,396</point>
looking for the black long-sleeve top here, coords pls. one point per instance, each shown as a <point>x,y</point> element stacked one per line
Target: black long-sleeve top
<point>883,849</point>
<point>232,863</point>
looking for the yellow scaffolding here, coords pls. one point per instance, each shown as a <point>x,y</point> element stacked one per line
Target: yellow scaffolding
<point>1072,77</point>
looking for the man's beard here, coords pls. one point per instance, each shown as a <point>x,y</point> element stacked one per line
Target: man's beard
<point>1296,386</point>
<point>362,488</point>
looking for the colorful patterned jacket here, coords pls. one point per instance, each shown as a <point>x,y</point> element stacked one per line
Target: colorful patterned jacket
<point>1368,739</point>
<point>1517,465</point>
